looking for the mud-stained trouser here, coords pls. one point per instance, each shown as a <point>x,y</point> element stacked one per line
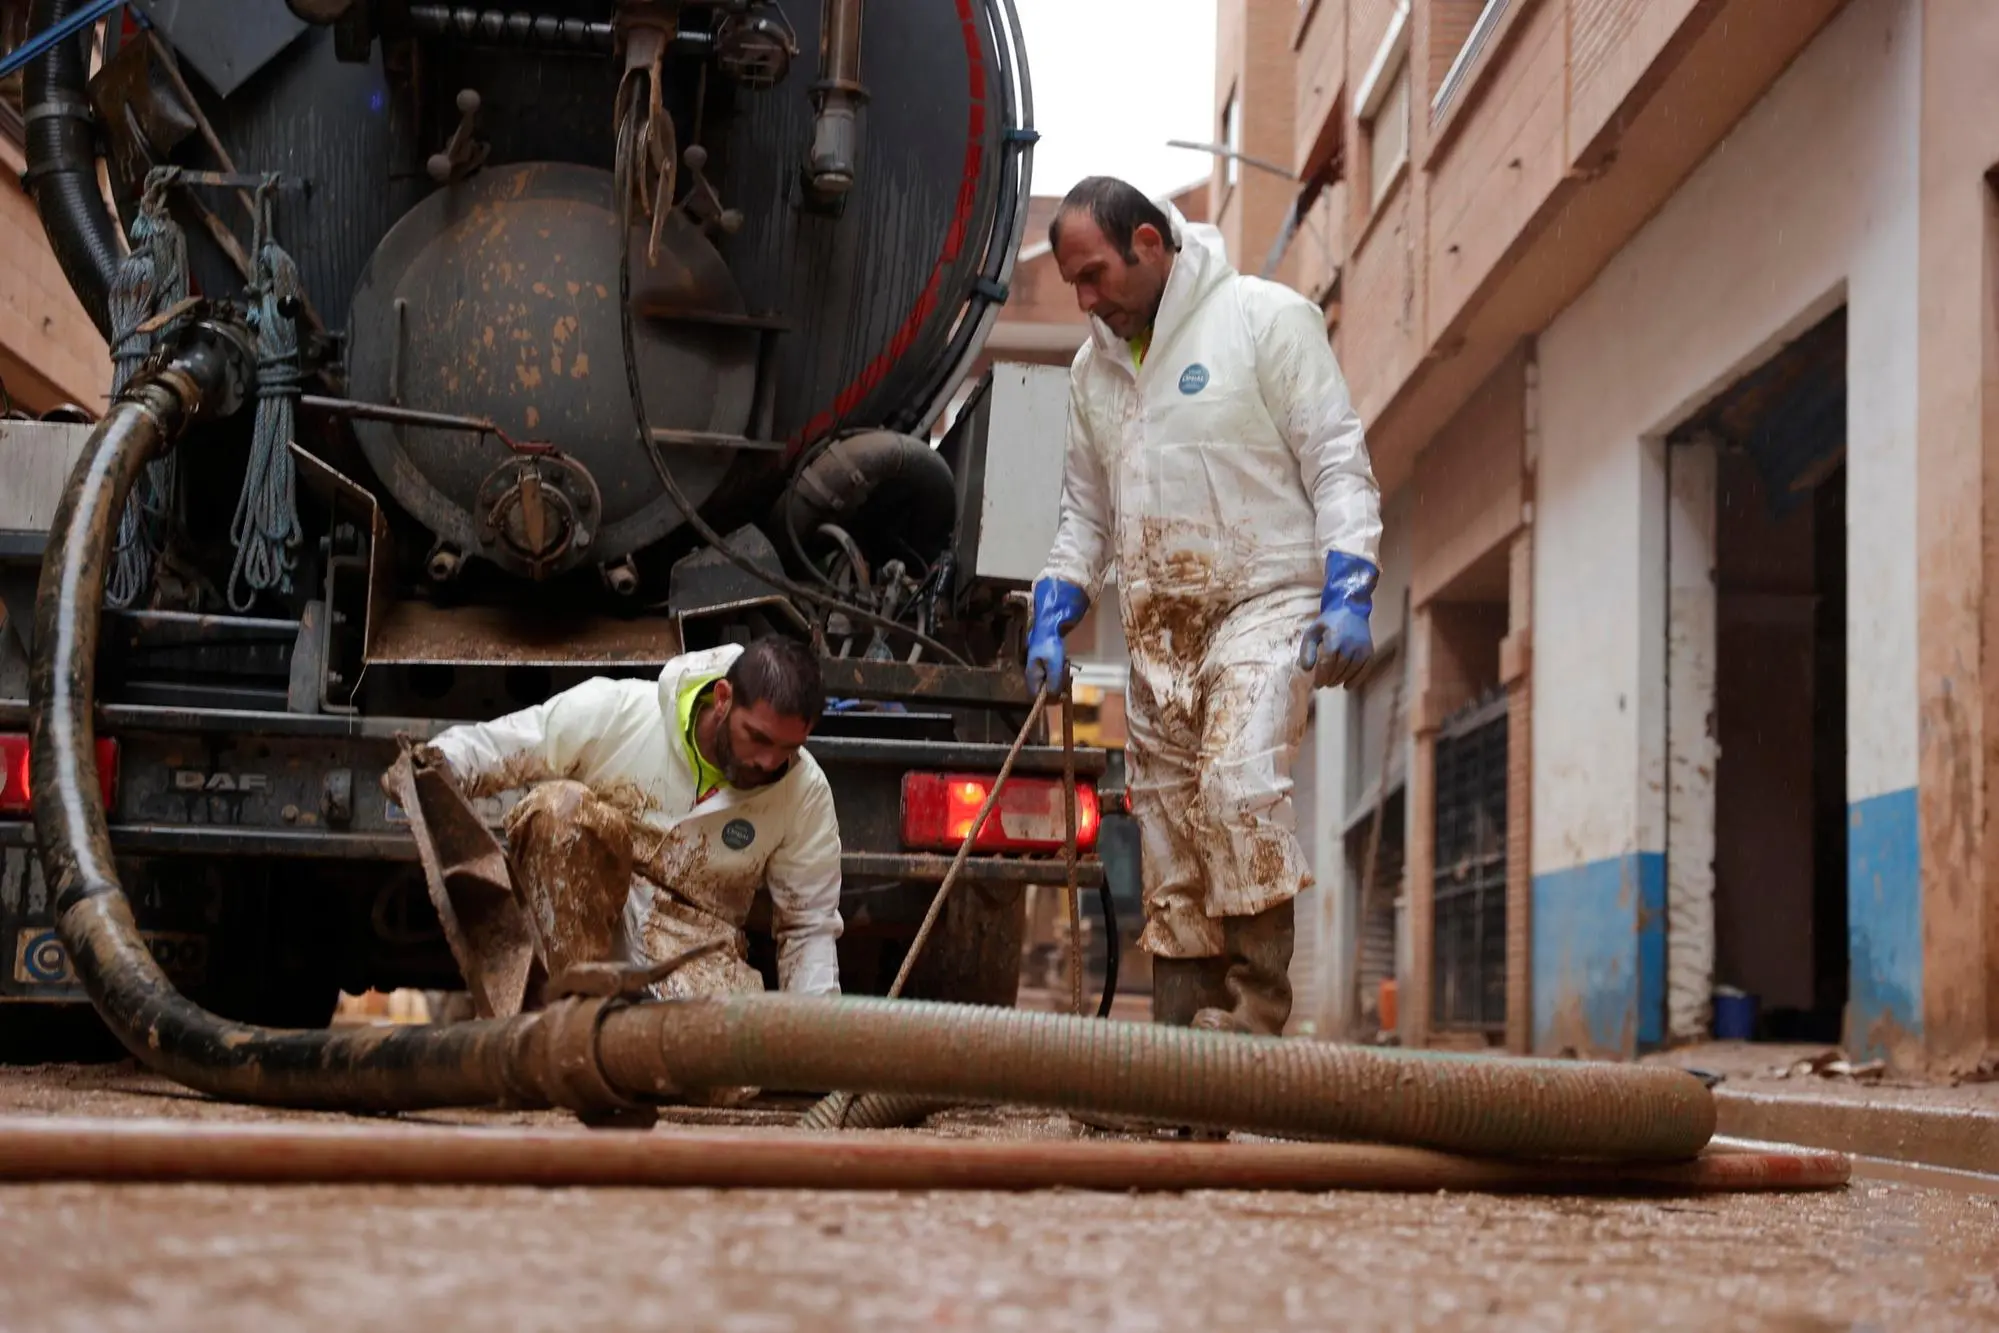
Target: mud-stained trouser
<point>1217,709</point>
<point>574,856</point>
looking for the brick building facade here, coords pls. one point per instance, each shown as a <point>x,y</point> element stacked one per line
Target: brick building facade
<point>1671,323</point>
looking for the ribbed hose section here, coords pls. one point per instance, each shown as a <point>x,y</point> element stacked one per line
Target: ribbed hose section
<point>881,1110</point>
<point>1543,1109</point>
<point>62,166</point>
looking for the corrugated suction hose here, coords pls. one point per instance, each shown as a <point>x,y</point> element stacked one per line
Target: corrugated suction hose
<point>1268,1085</point>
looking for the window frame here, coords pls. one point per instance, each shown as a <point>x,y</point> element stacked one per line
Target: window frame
<point>1390,63</point>
<point>1459,76</point>
<point>1394,105</point>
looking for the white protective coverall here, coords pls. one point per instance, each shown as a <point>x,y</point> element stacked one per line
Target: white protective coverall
<point>700,865</point>
<point>1216,476</point>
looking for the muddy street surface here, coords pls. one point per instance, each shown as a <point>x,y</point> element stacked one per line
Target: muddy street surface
<point>1882,1254</point>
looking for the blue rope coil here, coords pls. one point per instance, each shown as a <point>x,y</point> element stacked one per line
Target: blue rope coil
<point>265,530</point>
<point>150,279</point>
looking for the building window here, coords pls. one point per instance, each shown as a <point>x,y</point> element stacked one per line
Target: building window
<point>1467,28</point>
<point>1388,135</point>
<point>1232,140</point>
<point>1468,893</point>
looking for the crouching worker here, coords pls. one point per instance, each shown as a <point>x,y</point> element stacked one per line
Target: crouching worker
<point>655,810</point>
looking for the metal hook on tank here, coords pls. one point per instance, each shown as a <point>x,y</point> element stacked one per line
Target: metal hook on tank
<point>462,153</point>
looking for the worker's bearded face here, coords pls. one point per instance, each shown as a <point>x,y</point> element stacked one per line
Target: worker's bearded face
<point>754,745</point>
<point>1121,288</point>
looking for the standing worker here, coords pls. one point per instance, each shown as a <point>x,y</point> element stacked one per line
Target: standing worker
<point>655,811</point>
<point>1215,455</point>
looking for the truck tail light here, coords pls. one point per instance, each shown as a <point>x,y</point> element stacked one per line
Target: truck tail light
<point>938,810</point>
<point>16,798</point>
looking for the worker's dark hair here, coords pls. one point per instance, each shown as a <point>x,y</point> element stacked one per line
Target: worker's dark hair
<point>1118,208</point>
<point>781,672</point>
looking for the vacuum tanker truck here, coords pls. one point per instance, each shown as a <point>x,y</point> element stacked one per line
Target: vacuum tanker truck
<point>496,347</point>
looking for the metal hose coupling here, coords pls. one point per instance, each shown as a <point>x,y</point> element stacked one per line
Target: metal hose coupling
<point>554,1056</point>
<point>201,371</point>
<point>552,1060</point>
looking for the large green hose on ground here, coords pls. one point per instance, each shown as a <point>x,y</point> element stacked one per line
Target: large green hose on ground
<point>1305,1089</point>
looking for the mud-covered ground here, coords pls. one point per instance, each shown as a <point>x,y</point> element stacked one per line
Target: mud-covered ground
<point>1786,1070</point>
<point>1878,1255</point>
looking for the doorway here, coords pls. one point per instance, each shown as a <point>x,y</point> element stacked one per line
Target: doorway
<point>1778,702</point>
<point>1468,862</point>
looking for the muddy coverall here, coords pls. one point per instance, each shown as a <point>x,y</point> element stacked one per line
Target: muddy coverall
<point>615,857</point>
<point>1216,477</point>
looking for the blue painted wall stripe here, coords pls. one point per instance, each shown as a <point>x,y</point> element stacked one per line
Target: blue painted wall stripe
<point>1884,914</point>
<point>1650,869</point>
<point>1599,955</point>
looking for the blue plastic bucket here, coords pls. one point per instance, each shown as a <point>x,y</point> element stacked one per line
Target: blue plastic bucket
<point>1734,1016</point>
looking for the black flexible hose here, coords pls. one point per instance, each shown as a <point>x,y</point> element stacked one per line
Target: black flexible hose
<point>464,1064</point>
<point>62,166</point>
<point>846,475</point>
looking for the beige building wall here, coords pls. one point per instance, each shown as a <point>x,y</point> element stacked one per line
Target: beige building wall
<point>1957,522</point>
<point>1487,159</point>
<point>1567,124</point>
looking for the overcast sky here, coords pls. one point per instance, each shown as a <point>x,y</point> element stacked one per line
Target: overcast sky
<point>1113,81</point>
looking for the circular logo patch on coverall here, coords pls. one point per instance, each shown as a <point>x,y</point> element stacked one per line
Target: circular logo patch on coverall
<point>1194,379</point>
<point>738,834</point>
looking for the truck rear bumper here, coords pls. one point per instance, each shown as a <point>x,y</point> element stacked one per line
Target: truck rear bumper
<point>208,840</point>
<point>220,783</point>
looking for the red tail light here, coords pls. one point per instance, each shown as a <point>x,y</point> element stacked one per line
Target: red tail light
<point>15,796</point>
<point>938,810</point>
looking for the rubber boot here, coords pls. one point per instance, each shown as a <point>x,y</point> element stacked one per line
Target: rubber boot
<point>1183,987</point>
<point>1257,979</point>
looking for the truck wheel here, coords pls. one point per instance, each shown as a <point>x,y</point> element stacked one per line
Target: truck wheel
<point>973,956</point>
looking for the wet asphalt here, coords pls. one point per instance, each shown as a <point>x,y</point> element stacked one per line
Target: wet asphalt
<point>1895,1250</point>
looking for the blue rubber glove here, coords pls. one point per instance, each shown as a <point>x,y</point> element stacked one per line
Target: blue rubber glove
<point>1337,645</point>
<point>1058,608</point>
